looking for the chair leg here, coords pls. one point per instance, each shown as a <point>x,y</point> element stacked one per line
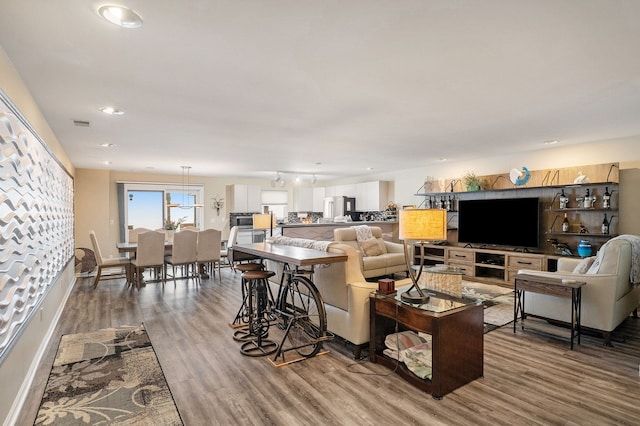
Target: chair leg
<point>95,283</point>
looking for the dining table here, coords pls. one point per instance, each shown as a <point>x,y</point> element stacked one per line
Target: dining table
<point>132,247</point>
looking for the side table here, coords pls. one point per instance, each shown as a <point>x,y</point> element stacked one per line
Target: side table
<point>456,327</point>
<point>553,287</point>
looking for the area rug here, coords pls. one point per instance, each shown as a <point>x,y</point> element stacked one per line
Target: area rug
<point>498,303</point>
<point>110,376</point>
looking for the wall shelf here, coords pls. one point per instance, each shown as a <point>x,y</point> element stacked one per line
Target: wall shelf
<point>546,186</point>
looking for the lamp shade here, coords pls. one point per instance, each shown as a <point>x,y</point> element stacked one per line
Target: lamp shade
<point>423,224</point>
<point>262,221</point>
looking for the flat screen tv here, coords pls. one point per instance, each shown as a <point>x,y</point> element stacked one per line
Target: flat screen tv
<point>513,222</point>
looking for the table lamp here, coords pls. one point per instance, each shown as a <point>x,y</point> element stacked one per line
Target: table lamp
<point>264,221</point>
<point>420,225</point>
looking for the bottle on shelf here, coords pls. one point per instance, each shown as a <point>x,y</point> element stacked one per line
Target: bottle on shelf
<point>565,224</point>
<point>564,200</point>
<point>606,198</point>
<point>605,225</point>
<point>447,204</point>
<point>439,203</point>
<point>588,200</point>
<point>428,204</point>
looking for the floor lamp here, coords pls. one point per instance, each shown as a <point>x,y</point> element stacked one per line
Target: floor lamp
<point>264,221</point>
<point>420,225</point>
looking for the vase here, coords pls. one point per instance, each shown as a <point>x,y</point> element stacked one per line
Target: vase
<point>584,248</point>
<point>170,233</point>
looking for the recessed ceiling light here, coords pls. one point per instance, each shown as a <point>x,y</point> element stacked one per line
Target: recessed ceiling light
<point>107,162</point>
<point>369,168</point>
<point>442,159</point>
<point>550,142</point>
<point>121,16</point>
<point>111,111</point>
<point>108,145</point>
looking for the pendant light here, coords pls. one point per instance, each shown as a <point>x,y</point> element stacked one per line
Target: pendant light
<point>185,190</point>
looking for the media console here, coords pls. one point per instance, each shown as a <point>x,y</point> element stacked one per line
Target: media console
<point>485,265</point>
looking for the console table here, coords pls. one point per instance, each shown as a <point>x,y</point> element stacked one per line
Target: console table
<point>553,287</point>
<point>456,327</point>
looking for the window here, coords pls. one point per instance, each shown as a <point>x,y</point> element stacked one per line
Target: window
<point>152,206</point>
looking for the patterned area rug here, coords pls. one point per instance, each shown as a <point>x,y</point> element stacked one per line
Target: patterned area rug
<point>109,376</point>
<point>498,303</point>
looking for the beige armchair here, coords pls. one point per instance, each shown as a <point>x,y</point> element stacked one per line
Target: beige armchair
<point>608,297</point>
<point>390,261</point>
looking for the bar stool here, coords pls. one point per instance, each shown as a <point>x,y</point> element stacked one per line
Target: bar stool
<point>242,317</point>
<point>258,297</point>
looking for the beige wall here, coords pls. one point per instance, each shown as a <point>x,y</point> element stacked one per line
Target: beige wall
<point>18,367</point>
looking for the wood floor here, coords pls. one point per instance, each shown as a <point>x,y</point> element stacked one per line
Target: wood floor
<point>529,378</point>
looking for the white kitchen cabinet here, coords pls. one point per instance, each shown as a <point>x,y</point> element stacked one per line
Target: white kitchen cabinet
<point>243,198</point>
<point>348,190</point>
<point>318,198</point>
<point>372,196</point>
<point>303,200</point>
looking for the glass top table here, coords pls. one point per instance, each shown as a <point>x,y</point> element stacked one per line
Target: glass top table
<point>438,302</point>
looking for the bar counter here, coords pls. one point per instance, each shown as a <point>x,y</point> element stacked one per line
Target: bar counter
<point>324,231</point>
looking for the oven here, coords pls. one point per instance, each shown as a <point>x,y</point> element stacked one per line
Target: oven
<point>241,220</point>
<point>244,222</point>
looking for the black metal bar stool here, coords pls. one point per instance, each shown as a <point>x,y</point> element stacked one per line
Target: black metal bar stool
<point>242,317</point>
<point>259,303</point>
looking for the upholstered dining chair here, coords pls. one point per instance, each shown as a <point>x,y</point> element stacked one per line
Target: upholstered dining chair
<point>208,251</point>
<point>150,254</point>
<point>133,234</point>
<point>184,253</point>
<point>224,253</point>
<point>119,262</point>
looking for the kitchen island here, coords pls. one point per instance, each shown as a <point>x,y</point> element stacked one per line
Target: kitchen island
<point>324,231</point>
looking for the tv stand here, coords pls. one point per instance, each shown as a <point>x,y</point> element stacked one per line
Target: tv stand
<point>492,266</point>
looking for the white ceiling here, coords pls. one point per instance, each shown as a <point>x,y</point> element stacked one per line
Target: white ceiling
<point>248,87</point>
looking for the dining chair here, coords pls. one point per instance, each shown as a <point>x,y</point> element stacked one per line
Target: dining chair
<point>149,254</point>
<point>165,232</point>
<point>183,253</point>
<point>118,262</point>
<point>133,234</point>
<point>208,251</point>
<point>224,252</point>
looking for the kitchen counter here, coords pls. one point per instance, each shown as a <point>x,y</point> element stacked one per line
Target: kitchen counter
<point>324,231</point>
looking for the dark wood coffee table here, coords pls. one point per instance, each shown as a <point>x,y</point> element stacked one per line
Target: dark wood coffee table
<point>568,289</point>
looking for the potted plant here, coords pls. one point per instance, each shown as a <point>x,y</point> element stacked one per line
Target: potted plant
<point>472,181</point>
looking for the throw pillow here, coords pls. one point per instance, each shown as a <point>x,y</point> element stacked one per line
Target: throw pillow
<point>584,265</point>
<point>371,247</point>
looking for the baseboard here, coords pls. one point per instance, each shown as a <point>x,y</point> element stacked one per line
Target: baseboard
<point>18,402</point>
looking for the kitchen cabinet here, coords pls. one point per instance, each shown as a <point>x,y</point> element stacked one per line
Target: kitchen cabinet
<point>372,196</point>
<point>303,199</point>
<point>348,190</point>
<point>318,198</point>
<point>244,198</point>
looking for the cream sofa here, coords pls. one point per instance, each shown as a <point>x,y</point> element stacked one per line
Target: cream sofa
<point>374,266</point>
<point>607,298</point>
<point>343,288</point>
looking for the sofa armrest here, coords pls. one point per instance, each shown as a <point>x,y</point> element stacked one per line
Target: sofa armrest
<point>568,264</point>
<point>394,247</point>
